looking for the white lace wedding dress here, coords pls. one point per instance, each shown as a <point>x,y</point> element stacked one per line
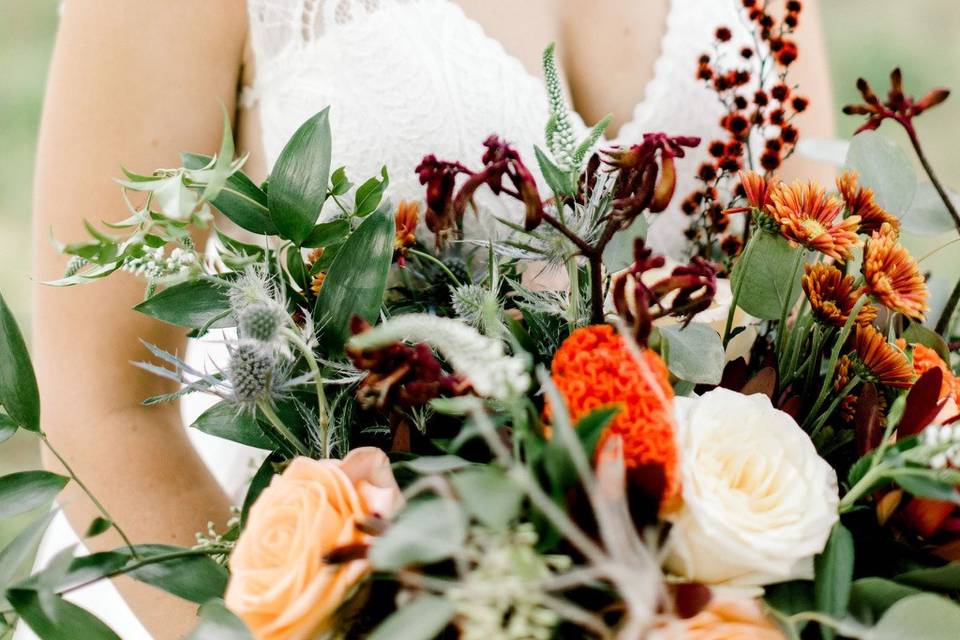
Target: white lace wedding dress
<point>405,78</point>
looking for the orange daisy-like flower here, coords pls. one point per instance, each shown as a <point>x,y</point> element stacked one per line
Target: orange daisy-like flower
<point>593,369</point>
<point>832,295</point>
<point>757,189</point>
<point>808,216</point>
<point>892,276</point>
<point>406,218</point>
<point>860,201</point>
<point>924,359</point>
<point>881,362</point>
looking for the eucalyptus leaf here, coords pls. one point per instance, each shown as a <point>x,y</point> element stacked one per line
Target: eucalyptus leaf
<point>240,200</point>
<point>928,215</point>
<point>196,578</point>
<point>356,280</point>
<point>19,395</point>
<point>53,618</point>
<point>766,279</point>
<point>298,182</point>
<point>427,531</point>
<point>261,479</point>
<point>423,618</point>
<point>218,623</point>
<point>489,495</point>
<point>194,304</point>
<point>618,254</point>
<point>834,575</point>
<point>884,167</point>
<point>97,526</point>
<point>224,421</point>
<point>924,615</point>
<point>944,578</point>
<point>369,194</point>
<point>926,485</point>
<point>26,490</point>
<point>694,353</point>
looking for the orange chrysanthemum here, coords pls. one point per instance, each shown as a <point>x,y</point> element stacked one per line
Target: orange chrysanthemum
<point>860,201</point>
<point>757,190</point>
<point>892,276</point>
<point>808,216</point>
<point>881,362</point>
<point>924,359</point>
<point>407,218</point>
<point>593,369</point>
<point>832,295</point>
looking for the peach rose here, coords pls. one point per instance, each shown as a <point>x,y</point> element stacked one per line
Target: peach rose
<point>723,619</point>
<point>279,585</point>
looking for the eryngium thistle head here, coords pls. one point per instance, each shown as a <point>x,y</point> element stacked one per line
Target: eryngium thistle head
<point>261,321</point>
<point>468,302</point>
<point>251,372</point>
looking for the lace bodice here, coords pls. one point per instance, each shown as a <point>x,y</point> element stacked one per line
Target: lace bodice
<point>408,77</point>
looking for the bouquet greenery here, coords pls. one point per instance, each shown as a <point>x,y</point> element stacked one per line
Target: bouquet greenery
<point>647,450</point>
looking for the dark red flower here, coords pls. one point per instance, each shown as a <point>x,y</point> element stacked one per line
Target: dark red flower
<point>898,106</point>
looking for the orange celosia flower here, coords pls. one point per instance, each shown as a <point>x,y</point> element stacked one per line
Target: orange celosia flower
<point>924,359</point>
<point>407,218</point>
<point>832,295</point>
<point>860,201</point>
<point>892,276</point>
<point>881,362</point>
<point>808,216</point>
<point>593,369</point>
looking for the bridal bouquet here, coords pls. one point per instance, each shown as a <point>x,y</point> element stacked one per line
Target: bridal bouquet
<point>555,433</point>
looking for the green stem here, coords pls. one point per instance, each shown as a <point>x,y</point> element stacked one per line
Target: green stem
<point>822,420</point>
<point>834,356</point>
<point>573,275</point>
<point>858,490</point>
<point>323,409</point>
<point>103,510</point>
<point>788,303</point>
<point>742,264</point>
<point>429,258</point>
<point>281,428</point>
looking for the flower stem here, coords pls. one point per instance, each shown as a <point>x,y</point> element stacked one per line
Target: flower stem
<point>323,409</point>
<point>103,510</point>
<point>439,263</point>
<point>787,304</point>
<point>573,276</point>
<point>822,420</point>
<point>743,263</point>
<point>281,428</point>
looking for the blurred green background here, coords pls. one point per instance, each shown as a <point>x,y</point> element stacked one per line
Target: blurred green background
<point>865,37</point>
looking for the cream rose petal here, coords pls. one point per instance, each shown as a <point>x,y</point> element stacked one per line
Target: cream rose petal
<point>758,502</point>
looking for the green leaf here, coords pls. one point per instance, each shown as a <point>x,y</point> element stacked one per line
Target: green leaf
<point>356,280</point>
<point>945,578</point>
<point>420,619</point>
<point>870,597</point>
<point>298,182</point>
<point>97,526</point>
<point>790,598</point>
<point>427,531</point>
<point>261,480</point>
<point>328,233</point>
<point>924,615</point>
<point>558,180</point>
<point>339,184</point>
<point>928,215</point>
<point>618,254</point>
<point>694,353</point>
<point>221,168</point>
<point>7,427</point>
<point>297,269</point>
<point>591,139</point>
<point>917,333</point>
<point>489,495</point>
<point>369,194</point>
<point>18,384</point>
<point>223,421</point>
<point>834,575</point>
<point>20,550</point>
<point>195,578</point>
<point>218,623</point>
<point>556,458</point>
<point>53,618</point>
<point>26,490</point>
<point>766,279</point>
<point>884,167</point>
<point>240,200</point>
<point>925,484</point>
<point>427,465</point>
<point>193,304</point>
<point>66,571</point>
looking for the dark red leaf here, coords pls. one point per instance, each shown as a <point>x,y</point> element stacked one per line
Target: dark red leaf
<point>764,382</point>
<point>866,420</point>
<point>923,403</point>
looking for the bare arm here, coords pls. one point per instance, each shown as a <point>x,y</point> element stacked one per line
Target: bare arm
<point>132,83</point>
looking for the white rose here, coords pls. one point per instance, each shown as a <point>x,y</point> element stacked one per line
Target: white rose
<point>758,502</point>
